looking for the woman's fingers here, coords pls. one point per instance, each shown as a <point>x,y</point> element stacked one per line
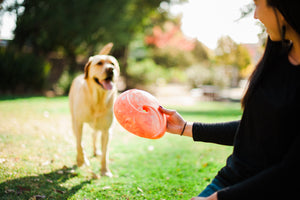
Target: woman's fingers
<point>166,111</point>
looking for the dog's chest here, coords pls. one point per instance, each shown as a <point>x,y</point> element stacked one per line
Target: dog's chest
<point>101,114</point>
<point>101,103</point>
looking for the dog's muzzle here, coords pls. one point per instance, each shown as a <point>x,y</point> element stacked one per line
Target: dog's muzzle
<point>107,83</point>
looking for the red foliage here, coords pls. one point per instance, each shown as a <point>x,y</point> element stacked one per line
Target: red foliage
<point>170,37</point>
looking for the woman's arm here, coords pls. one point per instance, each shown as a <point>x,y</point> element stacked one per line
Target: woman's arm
<point>220,133</point>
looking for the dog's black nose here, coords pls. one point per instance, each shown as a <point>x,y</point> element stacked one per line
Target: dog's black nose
<point>109,70</point>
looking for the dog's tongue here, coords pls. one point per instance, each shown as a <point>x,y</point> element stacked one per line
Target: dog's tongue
<point>107,84</point>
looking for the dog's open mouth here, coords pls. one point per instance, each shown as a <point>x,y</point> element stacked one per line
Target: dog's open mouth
<point>106,84</point>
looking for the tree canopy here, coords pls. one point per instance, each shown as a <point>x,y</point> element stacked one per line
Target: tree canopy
<point>76,26</point>
<point>230,53</point>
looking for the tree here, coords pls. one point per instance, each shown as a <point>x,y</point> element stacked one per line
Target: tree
<point>230,53</point>
<point>226,51</point>
<point>171,48</point>
<point>171,36</point>
<point>79,27</point>
<point>233,56</point>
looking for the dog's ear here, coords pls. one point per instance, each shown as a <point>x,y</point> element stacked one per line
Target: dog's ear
<point>86,69</point>
<point>106,49</point>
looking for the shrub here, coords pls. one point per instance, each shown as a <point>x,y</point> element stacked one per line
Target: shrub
<point>22,72</point>
<point>203,74</point>
<point>146,72</point>
<point>172,57</point>
<point>63,85</point>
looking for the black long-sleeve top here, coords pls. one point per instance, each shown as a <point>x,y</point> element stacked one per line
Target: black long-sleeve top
<point>265,160</point>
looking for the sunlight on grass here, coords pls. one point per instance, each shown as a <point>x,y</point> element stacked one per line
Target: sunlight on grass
<point>37,155</point>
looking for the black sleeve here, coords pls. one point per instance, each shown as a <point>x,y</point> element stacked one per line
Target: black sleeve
<point>219,133</point>
<point>278,182</point>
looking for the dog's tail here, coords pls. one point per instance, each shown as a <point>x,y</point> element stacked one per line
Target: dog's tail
<point>106,49</point>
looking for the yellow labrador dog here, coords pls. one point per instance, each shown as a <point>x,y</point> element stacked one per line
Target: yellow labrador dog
<point>91,100</point>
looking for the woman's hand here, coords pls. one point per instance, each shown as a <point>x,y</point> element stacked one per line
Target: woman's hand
<point>214,196</point>
<point>175,123</point>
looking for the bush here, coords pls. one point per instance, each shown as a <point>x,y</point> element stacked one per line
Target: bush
<point>172,57</point>
<point>22,72</point>
<point>146,72</point>
<point>63,85</point>
<point>203,74</point>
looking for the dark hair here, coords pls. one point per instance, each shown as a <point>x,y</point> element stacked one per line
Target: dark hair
<point>271,3</point>
<point>258,72</point>
<point>272,50</point>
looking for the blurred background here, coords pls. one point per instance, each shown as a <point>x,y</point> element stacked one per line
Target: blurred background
<point>184,52</point>
<point>204,49</point>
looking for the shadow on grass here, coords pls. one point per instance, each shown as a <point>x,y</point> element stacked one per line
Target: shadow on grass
<point>43,186</point>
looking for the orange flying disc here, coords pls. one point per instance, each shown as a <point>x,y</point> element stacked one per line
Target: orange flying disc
<point>137,111</point>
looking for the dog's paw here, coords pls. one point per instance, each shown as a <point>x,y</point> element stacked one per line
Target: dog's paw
<point>106,173</point>
<point>82,162</point>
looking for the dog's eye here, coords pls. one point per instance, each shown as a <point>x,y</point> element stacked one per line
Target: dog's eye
<point>100,63</point>
<point>112,63</point>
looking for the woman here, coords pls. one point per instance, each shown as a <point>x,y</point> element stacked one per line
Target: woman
<point>264,162</point>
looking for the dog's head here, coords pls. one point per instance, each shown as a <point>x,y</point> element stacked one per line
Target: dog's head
<point>103,69</point>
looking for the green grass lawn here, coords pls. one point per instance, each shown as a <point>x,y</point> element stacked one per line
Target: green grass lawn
<point>37,155</point>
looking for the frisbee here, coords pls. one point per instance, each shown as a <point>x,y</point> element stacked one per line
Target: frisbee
<point>137,111</point>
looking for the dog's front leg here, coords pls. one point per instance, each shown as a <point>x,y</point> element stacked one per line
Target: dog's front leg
<point>97,151</point>
<point>81,156</point>
<point>104,160</point>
